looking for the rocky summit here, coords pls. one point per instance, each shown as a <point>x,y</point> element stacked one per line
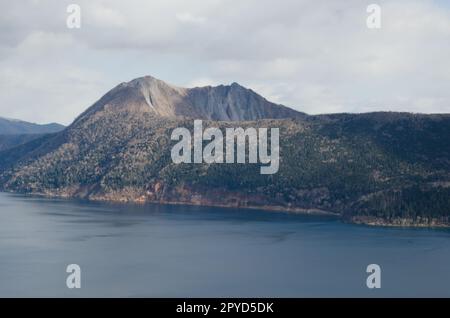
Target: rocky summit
<point>221,103</point>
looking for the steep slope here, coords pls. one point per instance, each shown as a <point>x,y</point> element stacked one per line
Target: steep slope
<point>235,103</point>
<point>377,168</point>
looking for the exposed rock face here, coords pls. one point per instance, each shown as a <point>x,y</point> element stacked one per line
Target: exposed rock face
<point>222,103</point>
<point>234,103</point>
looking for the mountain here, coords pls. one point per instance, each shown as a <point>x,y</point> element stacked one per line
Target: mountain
<point>224,103</point>
<point>375,168</point>
<point>14,132</point>
<point>18,127</point>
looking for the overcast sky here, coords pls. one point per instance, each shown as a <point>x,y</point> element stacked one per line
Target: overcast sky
<point>312,55</point>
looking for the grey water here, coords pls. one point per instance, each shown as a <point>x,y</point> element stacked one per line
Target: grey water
<point>186,251</point>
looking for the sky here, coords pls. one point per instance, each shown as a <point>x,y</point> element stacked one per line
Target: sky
<point>315,56</point>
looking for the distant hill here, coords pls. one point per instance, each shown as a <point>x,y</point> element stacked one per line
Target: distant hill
<point>376,168</point>
<point>15,132</point>
<point>19,127</point>
<point>11,141</point>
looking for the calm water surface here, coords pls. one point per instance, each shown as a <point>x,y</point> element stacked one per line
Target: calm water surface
<point>183,251</point>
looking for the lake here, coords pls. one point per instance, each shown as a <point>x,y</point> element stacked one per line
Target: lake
<point>187,251</point>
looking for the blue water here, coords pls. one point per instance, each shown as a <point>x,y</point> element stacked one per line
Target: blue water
<point>184,251</point>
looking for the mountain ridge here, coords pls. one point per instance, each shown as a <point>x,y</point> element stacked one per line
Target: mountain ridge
<point>221,103</point>
<point>9,126</point>
<point>14,132</point>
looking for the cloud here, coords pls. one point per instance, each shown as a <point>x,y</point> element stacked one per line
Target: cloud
<point>103,16</point>
<point>316,56</point>
<point>187,17</point>
<point>40,84</point>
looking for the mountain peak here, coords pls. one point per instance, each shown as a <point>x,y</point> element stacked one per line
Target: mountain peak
<point>234,84</point>
<point>223,103</point>
<point>147,82</point>
<point>148,79</point>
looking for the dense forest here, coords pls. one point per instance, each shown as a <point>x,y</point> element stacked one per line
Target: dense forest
<point>380,168</point>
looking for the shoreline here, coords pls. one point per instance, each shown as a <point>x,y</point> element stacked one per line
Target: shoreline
<point>398,223</point>
<point>357,220</point>
<point>274,208</point>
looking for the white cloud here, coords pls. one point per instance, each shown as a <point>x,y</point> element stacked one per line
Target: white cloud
<point>103,16</point>
<point>40,84</point>
<point>187,17</point>
<point>317,56</point>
